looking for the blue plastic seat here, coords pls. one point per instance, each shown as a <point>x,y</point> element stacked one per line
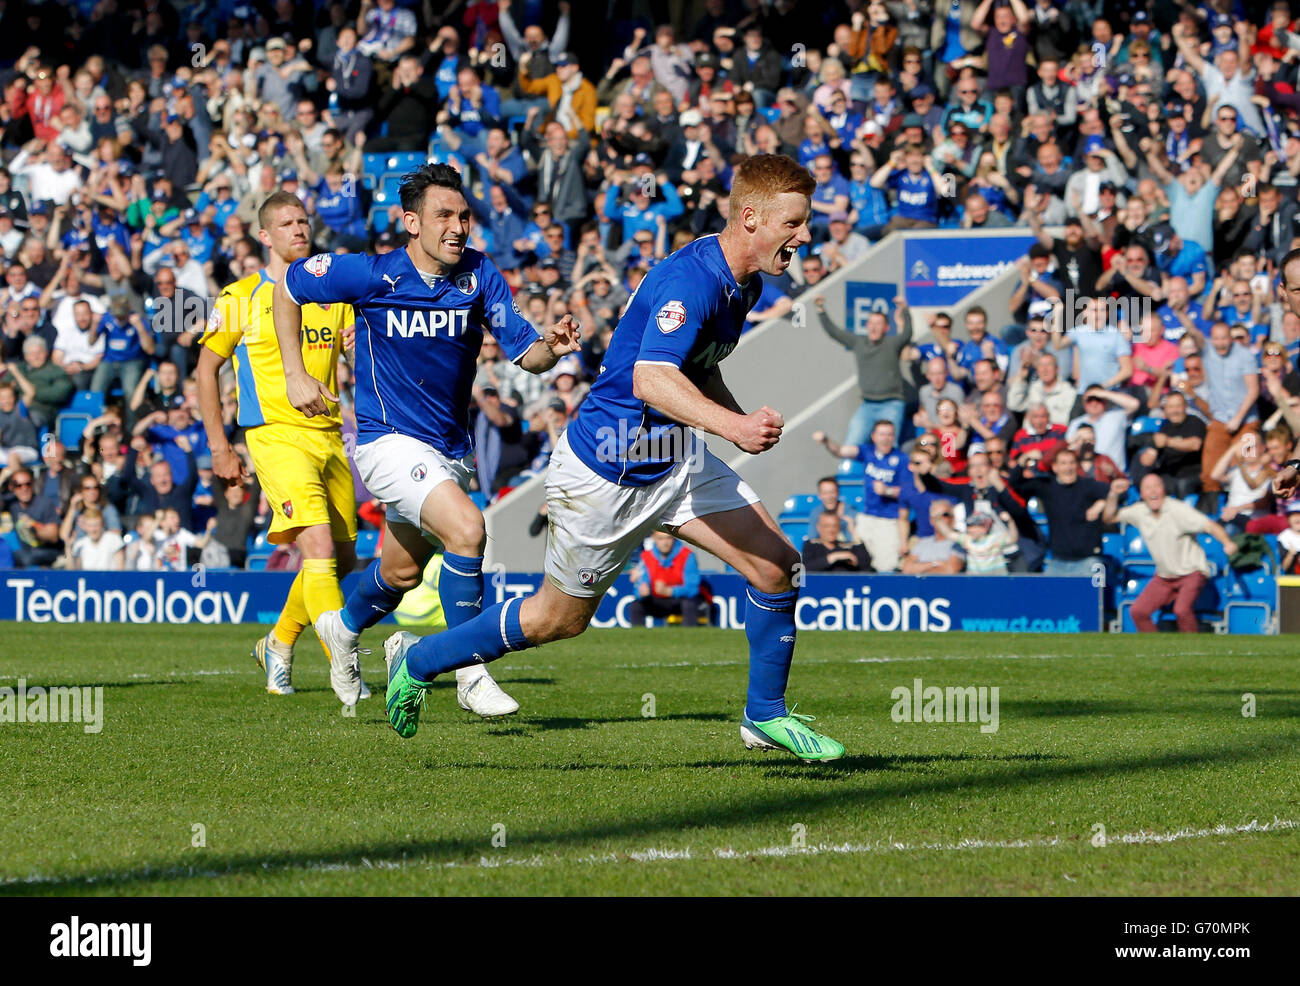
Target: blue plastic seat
<point>69,426</point>
<point>89,402</point>
<point>257,563</point>
<point>795,530</point>
<point>851,467</point>
<point>404,161</point>
<point>1214,553</point>
<point>1145,426</point>
<point>390,185</point>
<point>378,220</point>
<point>801,504</point>
<point>367,543</point>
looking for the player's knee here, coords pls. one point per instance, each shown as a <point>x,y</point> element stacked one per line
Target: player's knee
<point>402,577</point>
<point>775,574</point>
<point>466,537</point>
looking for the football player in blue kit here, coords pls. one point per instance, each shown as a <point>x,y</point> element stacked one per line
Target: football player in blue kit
<point>630,463</point>
<point>420,315</point>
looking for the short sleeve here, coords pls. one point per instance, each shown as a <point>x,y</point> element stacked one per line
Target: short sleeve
<point>225,326</point>
<point>514,332</point>
<point>327,278</point>
<point>1193,521</point>
<point>676,317</point>
<point>1127,515</point>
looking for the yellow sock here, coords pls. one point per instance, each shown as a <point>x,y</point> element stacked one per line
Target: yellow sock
<point>320,587</point>
<point>294,615</point>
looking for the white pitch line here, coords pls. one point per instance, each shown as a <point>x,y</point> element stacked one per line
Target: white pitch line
<point>653,855</point>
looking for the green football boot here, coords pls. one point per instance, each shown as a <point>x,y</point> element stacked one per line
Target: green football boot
<point>789,732</point>
<point>406,695</point>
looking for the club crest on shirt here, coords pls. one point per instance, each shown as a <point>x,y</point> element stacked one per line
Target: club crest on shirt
<point>467,282</point>
<point>318,264</point>
<point>671,317</point>
<point>418,472</point>
<point>287,509</point>
<point>587,576</point>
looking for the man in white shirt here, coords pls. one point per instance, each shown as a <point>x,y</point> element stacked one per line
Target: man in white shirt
<point>72,349</point>
<point>176,255</point>
<point>97,550</point>
<point>50,172</point>
<point>1109,424</point>
<point>64,301</point>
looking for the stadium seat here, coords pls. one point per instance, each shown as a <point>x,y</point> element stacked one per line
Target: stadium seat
<point>378,220</point>
<point>261,544</point>
<point>851,467</point>
<point>69,427</point>
<point>372,165</point>
<point>389,184</point>
<point>1144,426</point>
<point>801,504</point>
<point>857,501</point>
<point>405,161</point>
<point>795,530</point>
<point>1214,553</point>
<point>1112,545</point>
<point>367,543</point>
<point>849,485</point>
<point>90,402</point>
<point>257,563</point>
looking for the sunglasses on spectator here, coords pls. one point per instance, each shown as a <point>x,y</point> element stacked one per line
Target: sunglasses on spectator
<point>1274,351</point>
<point>26,484</point>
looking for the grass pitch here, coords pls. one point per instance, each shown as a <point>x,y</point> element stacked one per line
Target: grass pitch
<point>583,793</point>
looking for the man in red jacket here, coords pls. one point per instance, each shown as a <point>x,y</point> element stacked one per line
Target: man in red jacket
<point>667,581</point>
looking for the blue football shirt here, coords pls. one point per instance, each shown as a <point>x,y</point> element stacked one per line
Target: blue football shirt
<point>689,313</point>
<point>417,346</point>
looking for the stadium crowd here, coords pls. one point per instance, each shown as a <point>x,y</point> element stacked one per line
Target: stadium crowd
<point>140,136</point>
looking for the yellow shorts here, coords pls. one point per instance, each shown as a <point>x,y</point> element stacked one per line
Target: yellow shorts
<point>307,480</point>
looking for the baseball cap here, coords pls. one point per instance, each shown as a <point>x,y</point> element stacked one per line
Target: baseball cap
<point>549,262</point>
<point>1221,20</point>
<point>691,118</point>
<point>922,89</point>
<point>159,195</point>
<point>276,43</point>
<point>839,217</point>
<point>1107,186</point>
<point>41,208</point>
<point>1124,79</point>
<point>982,518</point>
<point>5,213</point>
<point>191,216</point>
<point>1140,17</point>
<point>562,59</point>
<point>174,402</point>
<point>568,364</point>
<point>1161,237</point>
<point>386,238</point>
<point>1293,507</point>
<point>642,158</point>
<point>706,59</point>
<point>1040,308</point>
<point>1093,145</point>
<point>913,120</point>
<point>871,129</point>
<point>288,174</point>
<point>557,405</point>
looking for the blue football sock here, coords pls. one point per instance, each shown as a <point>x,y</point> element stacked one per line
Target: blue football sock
<point>460,588</point>
<point>371,600</point>
<point>486,637</point>
<point>769,626</point>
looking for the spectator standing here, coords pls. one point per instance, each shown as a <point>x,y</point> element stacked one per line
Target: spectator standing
<point>1074,506</point>
<point>880,377</point>
<point>1169,528</point>
<point>886,472</point>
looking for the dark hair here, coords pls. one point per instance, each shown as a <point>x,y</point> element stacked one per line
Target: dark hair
<point>416,183</point>
<point>829,479</point>
<point>1287,261</point>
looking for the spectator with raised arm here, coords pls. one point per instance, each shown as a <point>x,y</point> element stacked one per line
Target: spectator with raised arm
<point>1168,528</point>
<point>880,377</point>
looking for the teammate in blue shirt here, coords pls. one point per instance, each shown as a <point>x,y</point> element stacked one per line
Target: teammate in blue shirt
<point>420,316</point>
<point>630,463</point>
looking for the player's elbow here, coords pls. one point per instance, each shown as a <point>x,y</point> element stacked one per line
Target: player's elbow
<point>643,382</point>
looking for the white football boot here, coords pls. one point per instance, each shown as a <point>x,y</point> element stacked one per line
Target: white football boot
<point>272,658</point>
<point>478,692</point>
<point>341,649</point>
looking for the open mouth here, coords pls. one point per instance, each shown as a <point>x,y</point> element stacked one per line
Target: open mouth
<point>455,245</point>
<point>785,255</point>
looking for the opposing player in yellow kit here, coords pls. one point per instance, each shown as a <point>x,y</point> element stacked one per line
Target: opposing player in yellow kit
<point>300,461</point>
